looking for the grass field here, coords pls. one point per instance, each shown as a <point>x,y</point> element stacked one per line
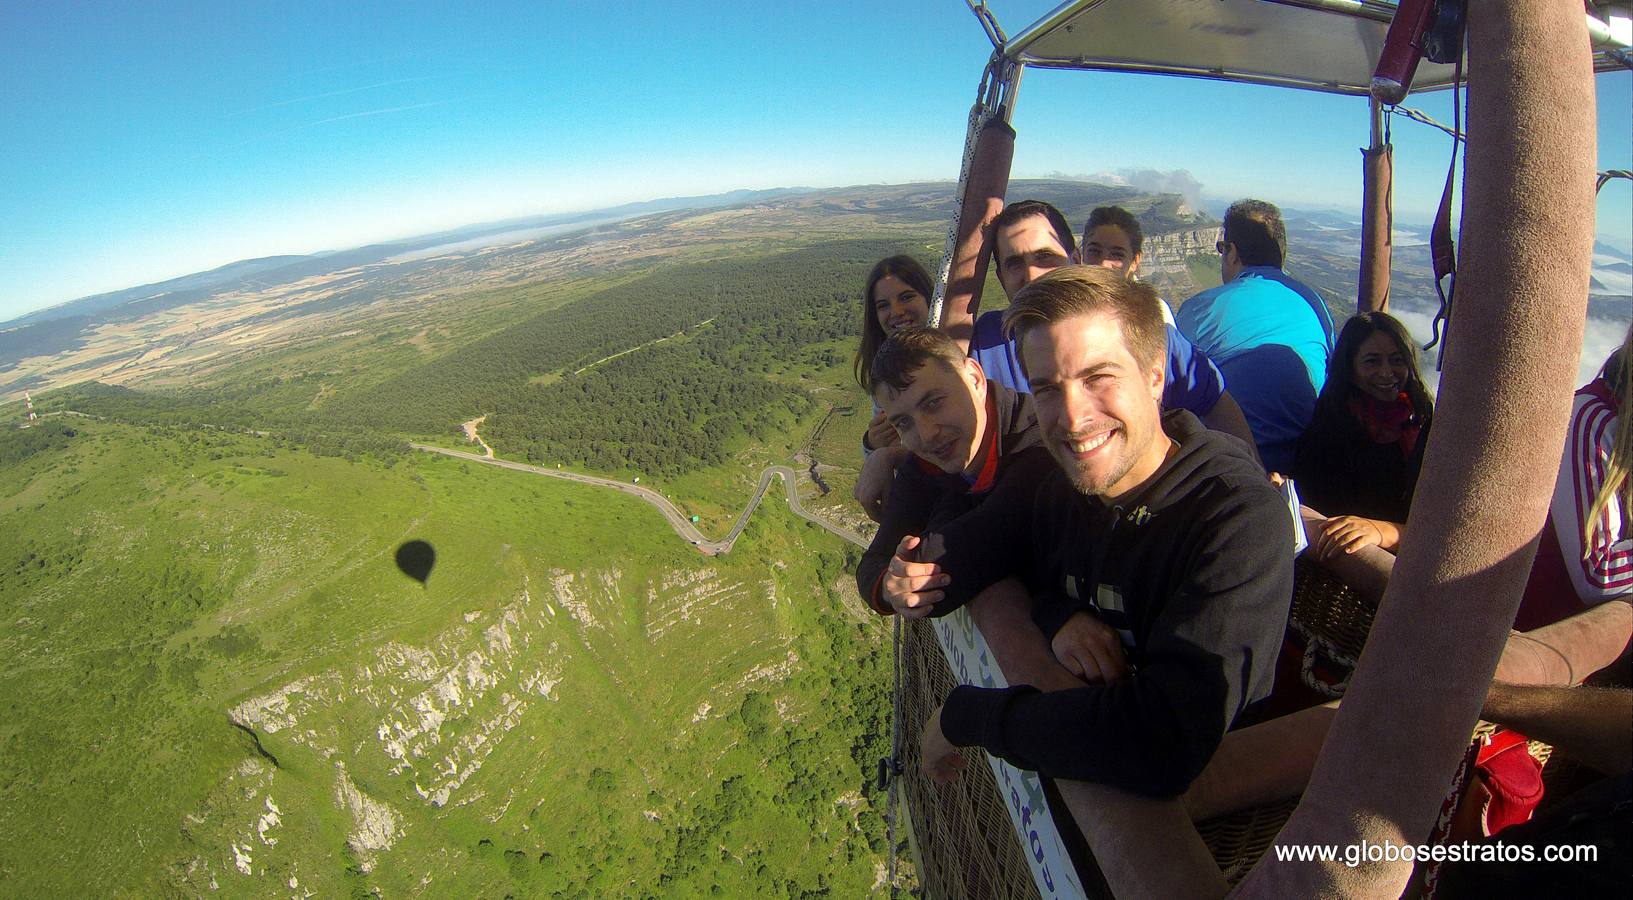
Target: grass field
<point>574,702</point>
<point>215,679</point>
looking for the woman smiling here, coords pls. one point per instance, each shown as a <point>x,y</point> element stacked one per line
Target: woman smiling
<point>1358,462</point>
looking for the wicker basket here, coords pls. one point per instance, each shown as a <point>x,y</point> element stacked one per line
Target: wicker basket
<point>966,844</point>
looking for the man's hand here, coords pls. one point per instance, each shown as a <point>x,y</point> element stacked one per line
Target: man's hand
<point>911,587</point>
<point>878,474</point>
<point>1348,534</point>
<point>881,433</point>
<point>1090,649</point>
<point>941,760</point>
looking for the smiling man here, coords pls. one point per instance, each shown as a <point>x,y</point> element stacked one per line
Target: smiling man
<point>1155,551</point>
<point>965,434</point>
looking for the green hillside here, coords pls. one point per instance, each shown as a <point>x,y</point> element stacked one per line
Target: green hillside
<point>215,679</point>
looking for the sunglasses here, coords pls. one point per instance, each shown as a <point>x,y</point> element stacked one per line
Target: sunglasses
<point>1220,246</point>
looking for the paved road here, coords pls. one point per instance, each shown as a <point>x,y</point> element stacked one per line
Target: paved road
<point>681,523</point>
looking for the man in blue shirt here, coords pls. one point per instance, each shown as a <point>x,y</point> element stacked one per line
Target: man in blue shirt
<point>1269,334</point>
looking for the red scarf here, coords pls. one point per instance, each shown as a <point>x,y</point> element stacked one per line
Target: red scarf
<point>1392,422</point>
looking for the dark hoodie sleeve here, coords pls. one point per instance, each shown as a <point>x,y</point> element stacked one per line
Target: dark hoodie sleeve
<point>907,511</point>
<point>1050,610</point>
<point>1210,653</point>
<point>993,541</point>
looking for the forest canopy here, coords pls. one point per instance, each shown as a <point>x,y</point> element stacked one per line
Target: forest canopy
<point>658,375</point>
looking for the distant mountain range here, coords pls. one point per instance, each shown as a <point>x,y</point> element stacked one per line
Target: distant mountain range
<point>273,270</point>
<point>1324,248</point>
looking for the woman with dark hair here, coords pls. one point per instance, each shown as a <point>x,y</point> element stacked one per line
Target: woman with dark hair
<point>1358,461</point>
<point>897,296</point>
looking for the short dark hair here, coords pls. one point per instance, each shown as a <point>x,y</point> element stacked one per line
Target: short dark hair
<point>1122,218</point>
<point>902,355</point>
<point>1021,210</point>
<point>1080,290</point>
<point>1255,227</point>
<point>914,276</point>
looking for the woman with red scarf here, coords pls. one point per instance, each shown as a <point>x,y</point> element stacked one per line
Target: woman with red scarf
<point>1358,461</point>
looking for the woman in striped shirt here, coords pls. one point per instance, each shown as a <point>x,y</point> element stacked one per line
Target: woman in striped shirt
<point>1585,556</point>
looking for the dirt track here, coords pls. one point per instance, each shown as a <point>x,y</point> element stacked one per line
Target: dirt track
<point>678,521</point>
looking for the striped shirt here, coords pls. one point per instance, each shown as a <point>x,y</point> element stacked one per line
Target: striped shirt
<point>1566,577</point>
<point>1604,570</point>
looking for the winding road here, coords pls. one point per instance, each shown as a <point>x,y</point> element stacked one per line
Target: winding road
<point>681,523</point>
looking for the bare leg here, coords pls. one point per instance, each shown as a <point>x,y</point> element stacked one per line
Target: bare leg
<point>1569,650</point>
<point>1003,612</point>
<point>1266,763</point>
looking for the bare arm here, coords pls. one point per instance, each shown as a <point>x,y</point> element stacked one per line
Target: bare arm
<point>1591,725</point>
<point>1366,571</point>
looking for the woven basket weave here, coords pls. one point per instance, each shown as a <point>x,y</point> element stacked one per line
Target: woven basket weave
<point>967,846</point>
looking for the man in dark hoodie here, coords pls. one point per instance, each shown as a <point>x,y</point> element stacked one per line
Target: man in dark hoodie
<point>966,435</point>
<point>1158,556</point>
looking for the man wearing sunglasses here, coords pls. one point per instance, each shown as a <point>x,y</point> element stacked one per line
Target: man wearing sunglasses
<point>1268,333</point>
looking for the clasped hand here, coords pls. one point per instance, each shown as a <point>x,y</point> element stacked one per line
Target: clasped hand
<point>1090,649</point>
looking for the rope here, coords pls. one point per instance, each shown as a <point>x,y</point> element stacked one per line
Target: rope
<point>1418,116</point>
<point>1315,647</point>
<point>989,23</point>
<point>993,98</point>
<point>892,767</point>
<point>1443,251</point>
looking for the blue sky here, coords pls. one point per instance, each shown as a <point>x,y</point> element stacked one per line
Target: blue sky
<point>142,141</point>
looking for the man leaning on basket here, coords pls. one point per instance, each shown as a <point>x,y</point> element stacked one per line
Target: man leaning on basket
<point>1156,556</point>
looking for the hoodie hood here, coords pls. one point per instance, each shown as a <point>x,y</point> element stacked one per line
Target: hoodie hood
<point>1202,453</point>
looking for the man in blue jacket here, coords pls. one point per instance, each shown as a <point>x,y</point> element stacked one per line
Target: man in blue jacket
<point>1268,333</point>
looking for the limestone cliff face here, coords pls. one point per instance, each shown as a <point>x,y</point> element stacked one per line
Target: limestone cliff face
<point>1164,256</point>
<point>1167,252</point>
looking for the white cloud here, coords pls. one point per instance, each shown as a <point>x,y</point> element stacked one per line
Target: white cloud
<point>1599,338</point>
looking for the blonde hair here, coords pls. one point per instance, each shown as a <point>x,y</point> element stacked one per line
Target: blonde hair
<point>1617,485</point>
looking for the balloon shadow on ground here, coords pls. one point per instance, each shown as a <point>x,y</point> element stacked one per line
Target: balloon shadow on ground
<point>415,559</point>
